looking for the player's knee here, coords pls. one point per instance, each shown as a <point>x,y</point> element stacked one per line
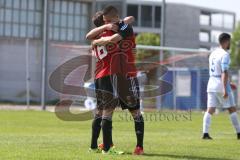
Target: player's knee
<point>107,113</point>
<point>97,116</point>
<point>109,118</point>
<point>98,113</point>
<point>211,110</point>
<point>134,113</point>
<point>232,110</point>
<point>137,116</point>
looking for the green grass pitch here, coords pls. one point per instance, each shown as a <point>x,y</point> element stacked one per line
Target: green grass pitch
<point>36,135</point>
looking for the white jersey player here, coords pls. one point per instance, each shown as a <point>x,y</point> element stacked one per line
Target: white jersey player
<point>218,89</point>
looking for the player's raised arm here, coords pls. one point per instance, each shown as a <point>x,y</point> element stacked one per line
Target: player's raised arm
<point>99,23</point>
<point>96,31</point>
<point>129,20</point>
<point>125,30</point>
<point>105,40</point>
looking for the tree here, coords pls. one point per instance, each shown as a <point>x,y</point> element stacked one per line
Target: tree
<point>235,47</point>
<point>148,55</point>
<point>149,39</point>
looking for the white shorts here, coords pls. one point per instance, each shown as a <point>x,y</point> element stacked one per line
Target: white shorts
<point>215,99</point>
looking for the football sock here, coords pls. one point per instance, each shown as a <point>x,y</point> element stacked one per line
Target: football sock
<point>107,132</point>
<point>235,122</point>
<point>139,129</point>
<point>96,128</point>
<point>206,122</point>
<point>111,141</point>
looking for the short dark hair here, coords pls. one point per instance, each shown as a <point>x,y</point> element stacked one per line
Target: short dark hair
<point>110,11</point>
<point>98,19</point>
<point>224,37</point>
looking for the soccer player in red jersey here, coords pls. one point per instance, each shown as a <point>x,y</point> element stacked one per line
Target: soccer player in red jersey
<point>116,74</point>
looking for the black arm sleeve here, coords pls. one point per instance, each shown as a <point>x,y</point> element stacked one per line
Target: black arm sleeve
<point>125,30</point>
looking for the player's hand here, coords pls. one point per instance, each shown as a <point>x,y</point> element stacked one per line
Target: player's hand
<point>112,27</point>
<point>101,42</point>
<point>94,43</point>
<point>225,94</point>
<point>233,86</point>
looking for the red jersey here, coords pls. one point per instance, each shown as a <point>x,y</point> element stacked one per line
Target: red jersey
<point>116,58</point>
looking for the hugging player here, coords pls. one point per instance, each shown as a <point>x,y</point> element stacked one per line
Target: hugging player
<point>115,74</point>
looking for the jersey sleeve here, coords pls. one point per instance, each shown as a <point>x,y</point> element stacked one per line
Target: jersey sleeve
<point>125,30</point>
<point>225,62</point>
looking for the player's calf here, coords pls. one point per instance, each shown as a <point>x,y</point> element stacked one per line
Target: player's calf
<point>139,130</point>
<point>106,130</point>
<point>96,128</point>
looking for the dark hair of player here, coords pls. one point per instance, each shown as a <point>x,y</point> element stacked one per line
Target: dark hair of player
<point>110,11</point>
<point>224,37</point>
<point>98,19</point>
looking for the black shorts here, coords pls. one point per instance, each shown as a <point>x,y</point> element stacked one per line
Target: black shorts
<point>117,90</point>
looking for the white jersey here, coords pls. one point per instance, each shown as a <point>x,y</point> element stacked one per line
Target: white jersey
<point>219,61</point>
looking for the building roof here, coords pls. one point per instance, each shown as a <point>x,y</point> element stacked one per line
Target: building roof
<point>155,2</point>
